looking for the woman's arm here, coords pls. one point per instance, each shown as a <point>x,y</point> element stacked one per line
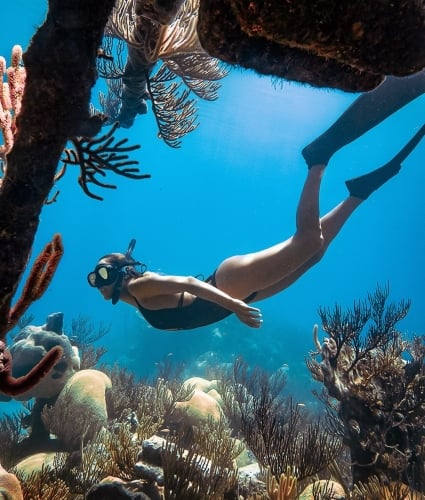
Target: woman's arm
<point>152,285</point>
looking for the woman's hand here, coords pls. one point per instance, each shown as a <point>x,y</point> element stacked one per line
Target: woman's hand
<point>249,315</point>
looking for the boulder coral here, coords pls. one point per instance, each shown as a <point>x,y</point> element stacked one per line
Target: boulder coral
<point>200,407</point>
<point>82,403</point>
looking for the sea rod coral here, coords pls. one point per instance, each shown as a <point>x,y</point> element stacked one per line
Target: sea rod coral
<point>60,72</point>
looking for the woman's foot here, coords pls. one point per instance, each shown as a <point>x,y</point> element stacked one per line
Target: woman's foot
<point>362,187</point>
<point>367,111</point>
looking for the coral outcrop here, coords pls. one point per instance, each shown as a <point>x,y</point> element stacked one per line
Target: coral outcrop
<point>377,379</point>
<point>338,44</point>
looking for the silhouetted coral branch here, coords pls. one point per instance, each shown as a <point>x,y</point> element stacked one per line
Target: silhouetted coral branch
<point>100,155</point>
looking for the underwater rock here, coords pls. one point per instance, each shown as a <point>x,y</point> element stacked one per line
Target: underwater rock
<point>151,450</point>
<point>10,488</point>
<point>347,45</point>
<point>115,490</point>
<point>30,346</point>
<point>83,399</point>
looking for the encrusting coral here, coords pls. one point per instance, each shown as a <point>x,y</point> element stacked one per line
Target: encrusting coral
<point>378,381</point>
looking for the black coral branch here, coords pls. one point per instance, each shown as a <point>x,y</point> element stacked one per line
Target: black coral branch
<point>98,156</point>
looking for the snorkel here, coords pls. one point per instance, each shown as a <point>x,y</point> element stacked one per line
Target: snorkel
<point>128,261</point>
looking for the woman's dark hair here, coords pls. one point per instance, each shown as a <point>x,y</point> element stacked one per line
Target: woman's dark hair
<point>125,263</point>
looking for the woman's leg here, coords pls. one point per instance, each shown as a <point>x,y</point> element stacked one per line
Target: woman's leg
<point>272,270</point>
<point>331,223</point>
<point>366,112</point>
<point>243,274</point>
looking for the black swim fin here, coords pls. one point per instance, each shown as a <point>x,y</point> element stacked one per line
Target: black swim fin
<point>367,111</point>
<point>363,186</point>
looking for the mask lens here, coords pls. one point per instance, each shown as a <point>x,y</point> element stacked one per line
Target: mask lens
<point>91,278</point>
<point>103,275</point>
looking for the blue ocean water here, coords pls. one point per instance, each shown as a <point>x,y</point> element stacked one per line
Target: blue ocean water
<point>233,188</point>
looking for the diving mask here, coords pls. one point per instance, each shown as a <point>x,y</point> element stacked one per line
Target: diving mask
<point>107,274</point>
<point>103,275</point>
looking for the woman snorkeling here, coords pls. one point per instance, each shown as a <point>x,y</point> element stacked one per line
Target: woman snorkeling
<point>184,302</point>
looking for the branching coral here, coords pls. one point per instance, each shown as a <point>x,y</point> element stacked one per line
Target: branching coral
<point>155,34</point>
<point>97,156</point>
<point>214,441</point>
<point>174,112</point>
<point>43,485</point>
<point>189,476</point>
<point>83,334</point>
<point>378,380</point>
<point>284,489</point>
<point>272,426</point>
<point>377,489</point>
<point>11,434</point>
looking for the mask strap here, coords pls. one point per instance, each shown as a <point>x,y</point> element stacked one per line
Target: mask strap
<point>117,288</point>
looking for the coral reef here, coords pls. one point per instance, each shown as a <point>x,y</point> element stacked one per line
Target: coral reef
<point>378,381</point>
<point>138,447</point>
<point>337,44</point>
